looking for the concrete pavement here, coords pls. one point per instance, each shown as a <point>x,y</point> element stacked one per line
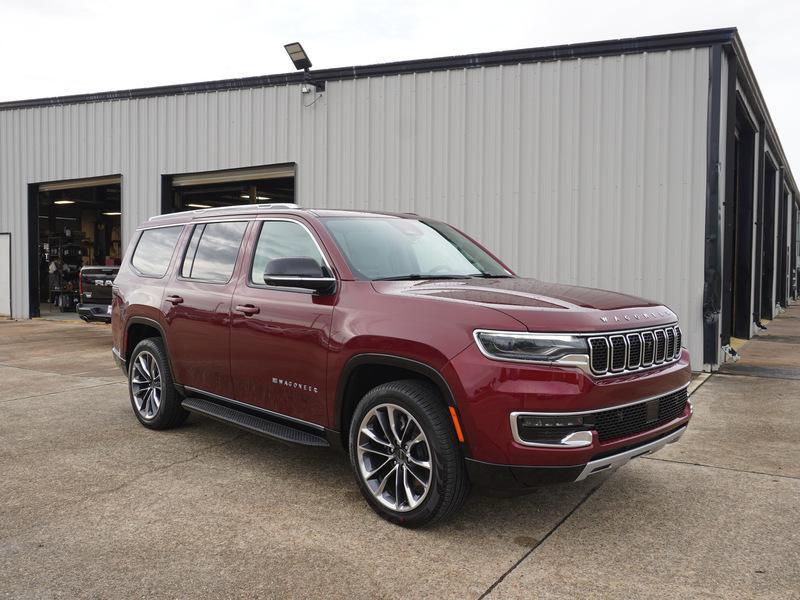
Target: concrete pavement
<point>94,505</point>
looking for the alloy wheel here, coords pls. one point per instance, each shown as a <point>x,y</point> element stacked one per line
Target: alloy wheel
<point>146,385</point>
<point>394,457</point>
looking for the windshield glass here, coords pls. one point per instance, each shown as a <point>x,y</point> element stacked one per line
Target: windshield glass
<point>391,248</point>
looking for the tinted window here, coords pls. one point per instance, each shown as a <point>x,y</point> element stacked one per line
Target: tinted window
<point>283,239</point>
<point>393,248</point>
<point>154,250</point>
<point>212,251</point>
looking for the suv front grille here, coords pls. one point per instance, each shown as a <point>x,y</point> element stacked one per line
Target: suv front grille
<point>633,351</point>
<point>635,418</point>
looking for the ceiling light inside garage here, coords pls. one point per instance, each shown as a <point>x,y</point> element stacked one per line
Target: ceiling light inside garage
<point>112,214</point>
<point>64,202</point>
<point>195,205</point>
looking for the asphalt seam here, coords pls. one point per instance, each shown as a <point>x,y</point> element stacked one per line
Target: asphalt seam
<point>694,464</point>
<point>541,541</point>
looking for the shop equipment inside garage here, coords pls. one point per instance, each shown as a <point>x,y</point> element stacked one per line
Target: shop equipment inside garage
<point>79,222</point>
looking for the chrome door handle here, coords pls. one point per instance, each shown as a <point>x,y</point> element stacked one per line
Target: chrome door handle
<point>175,299</point>
<point>248,309</point>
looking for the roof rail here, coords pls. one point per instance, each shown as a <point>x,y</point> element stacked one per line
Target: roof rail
<point>279,205</point>
<point>223,209</point>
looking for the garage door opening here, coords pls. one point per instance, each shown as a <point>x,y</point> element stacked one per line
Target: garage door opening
<point>258,185</point>
<point>72,224</point>
<point>768,240</point>
<point>738,272</point>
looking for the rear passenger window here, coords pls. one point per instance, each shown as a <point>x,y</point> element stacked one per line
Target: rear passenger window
<point>154,250</point>
<point>212,251</point>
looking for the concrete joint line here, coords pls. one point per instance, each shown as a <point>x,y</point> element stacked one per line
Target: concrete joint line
<point>82,387</point>
<point>693,464</point>
<point>134,480</point>
<point>541,541</point>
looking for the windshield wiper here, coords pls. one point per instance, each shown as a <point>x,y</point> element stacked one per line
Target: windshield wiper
<point>416,276</point>
<point>490,276</point>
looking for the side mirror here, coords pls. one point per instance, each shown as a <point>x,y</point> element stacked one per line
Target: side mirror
<point>298,272</point>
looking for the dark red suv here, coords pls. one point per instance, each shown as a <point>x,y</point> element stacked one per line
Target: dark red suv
<point>398,339</point>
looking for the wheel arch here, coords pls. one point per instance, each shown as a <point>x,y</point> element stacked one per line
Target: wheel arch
<point>365,371</point>
<point>138,329</point>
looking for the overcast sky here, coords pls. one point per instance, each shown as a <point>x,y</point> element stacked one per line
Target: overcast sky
<point>51,48</point>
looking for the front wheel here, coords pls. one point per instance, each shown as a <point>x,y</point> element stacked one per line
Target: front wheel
<point>405,455</point>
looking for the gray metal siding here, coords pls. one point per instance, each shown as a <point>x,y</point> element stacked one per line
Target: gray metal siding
<point>587,171</point>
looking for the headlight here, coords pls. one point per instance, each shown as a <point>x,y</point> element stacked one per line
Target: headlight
<point>539,347</point>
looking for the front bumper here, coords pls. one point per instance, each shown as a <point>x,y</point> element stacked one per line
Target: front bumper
<point>520,478</point>
<point>94,312</point>
<point>488,392</point>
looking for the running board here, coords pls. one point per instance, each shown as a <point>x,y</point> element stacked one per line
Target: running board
<point>254,424</point>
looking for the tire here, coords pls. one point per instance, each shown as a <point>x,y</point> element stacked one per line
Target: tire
<point>380,463</point>
<point>156,403</point>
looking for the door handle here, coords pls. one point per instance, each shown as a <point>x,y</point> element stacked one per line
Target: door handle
<point>248,309</point>
<point>174,299</point>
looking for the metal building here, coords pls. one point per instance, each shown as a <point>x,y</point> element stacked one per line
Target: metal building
<point>646,165</point>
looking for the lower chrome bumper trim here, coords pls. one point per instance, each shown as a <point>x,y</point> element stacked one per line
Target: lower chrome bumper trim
<point>617,460</point>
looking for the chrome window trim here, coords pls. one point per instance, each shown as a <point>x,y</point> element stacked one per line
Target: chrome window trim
<point>260,222</point>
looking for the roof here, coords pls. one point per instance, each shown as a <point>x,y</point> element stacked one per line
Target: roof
<point>671,41</point>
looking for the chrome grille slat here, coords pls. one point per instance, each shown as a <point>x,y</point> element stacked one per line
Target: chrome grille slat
<point>634,350</point>
<point>618,353</point>
<point>670,333</point>
<point>630,351</point>
<point>661,345</point>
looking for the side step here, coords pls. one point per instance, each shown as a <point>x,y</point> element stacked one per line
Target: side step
<point>253,424</point>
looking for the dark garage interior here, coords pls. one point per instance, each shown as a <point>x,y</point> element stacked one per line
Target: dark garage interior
<point>74,224</point>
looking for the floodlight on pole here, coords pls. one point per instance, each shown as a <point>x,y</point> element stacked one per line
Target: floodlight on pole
<point>303,63</point>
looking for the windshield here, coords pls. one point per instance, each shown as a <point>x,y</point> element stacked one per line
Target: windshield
<point>385,248</point>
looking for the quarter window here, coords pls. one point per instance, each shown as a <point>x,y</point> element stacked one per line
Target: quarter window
<point>283,239</point>
<point>212,251</point>
<point>154,250</point>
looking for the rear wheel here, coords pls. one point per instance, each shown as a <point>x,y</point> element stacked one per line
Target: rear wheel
<point>405,455</point>
<point>154,399</point>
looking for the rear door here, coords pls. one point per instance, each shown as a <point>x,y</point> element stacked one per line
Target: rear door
<point>197,306</point>
<point>280,336</point>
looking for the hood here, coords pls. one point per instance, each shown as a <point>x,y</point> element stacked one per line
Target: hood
<point>541,306</point>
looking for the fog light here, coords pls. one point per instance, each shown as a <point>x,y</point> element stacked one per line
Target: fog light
<point>559,421</point>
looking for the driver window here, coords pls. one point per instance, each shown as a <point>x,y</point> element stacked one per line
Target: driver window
<point>283,239</point>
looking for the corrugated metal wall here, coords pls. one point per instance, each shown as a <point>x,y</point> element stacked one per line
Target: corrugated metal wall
<point>587,171</point>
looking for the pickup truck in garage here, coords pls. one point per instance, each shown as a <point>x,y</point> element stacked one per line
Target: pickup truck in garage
<point>95,293</point>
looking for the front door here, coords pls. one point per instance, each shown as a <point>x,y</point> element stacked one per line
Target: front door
<point>280,336</point>
<point>197,307</point>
